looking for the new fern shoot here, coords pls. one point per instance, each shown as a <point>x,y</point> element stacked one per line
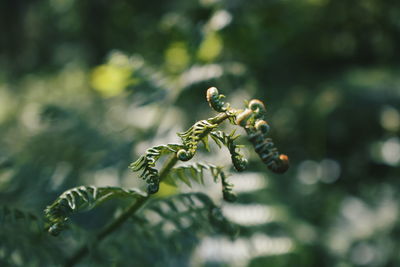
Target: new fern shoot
<point>252,118</point>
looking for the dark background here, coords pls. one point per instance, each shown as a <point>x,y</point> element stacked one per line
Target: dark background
<point>87,86</point>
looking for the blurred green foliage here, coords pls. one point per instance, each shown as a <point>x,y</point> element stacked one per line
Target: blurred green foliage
<point>87,86</point>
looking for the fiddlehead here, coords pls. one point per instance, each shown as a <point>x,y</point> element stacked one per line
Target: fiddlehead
<point>81,198</point>
<point>238,160</point>
<point>258,108</point>
<point>190,140</point>
<point>252,119</point>
<point>215,100</point>
<point>227,187</point>
<point>193,136</point>
<point>264,147</point>
<point>147,163</point>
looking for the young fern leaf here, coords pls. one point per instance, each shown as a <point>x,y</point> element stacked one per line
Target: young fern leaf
<point>169,228</point>
<point>195,172</point>
<point>214,99</point>
<point>80,199</point>
<point>191,138</point>
<point>252,119</point>
<point>238,160</point>
<point>227,187</point>
<point>147,163</point>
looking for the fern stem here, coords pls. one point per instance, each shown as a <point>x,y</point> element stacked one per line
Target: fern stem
<point>83,251</point>
<point>169,164</point>
<point>220,118</point>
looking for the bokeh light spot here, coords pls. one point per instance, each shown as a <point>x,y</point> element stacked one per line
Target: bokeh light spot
<point>211,47</point>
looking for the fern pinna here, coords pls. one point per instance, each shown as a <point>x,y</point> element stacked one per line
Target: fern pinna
<point>252,118</point>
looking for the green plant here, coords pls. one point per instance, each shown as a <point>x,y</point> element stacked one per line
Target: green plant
<point>252,119</point>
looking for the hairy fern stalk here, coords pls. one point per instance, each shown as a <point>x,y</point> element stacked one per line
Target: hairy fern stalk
<point>251,118</point>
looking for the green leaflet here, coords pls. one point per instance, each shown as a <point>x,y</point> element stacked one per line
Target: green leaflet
<point>168,228</point>
<point>191,138</point>
<point>192,172</point>
<point>82,198</point>
<point>221,138</point>
<point>152,155</point>
<point>147,163</point>
<point>195,172</point>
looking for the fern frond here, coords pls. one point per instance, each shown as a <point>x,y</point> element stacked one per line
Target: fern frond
<point>147,163</point>
<point>252,119</point>
<point>21,233</point>
<point>215,100</point>
<point>79,199</point>
<point>238,160</point>
<point>194,172</point>
<point>191,138</point>
<point>196,208</point>
<point>169,228</point>
<point>227,189</point>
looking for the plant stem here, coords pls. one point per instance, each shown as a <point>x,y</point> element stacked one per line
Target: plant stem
<point>220,118</point>
<point>140,201</point>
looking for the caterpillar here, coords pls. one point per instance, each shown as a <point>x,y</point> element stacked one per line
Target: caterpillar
<point>215,101</point>
<point>192,137</point>
<point>257,129</point>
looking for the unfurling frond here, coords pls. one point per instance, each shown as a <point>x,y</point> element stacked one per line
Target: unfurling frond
<point>238,160</point>
<point>184,214</point>
<point>227,189</point>
<point>79,199</point>
<point>252,119</point>
<point>147,163</point>
<point>193,136</point>
<point>215,100</point>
